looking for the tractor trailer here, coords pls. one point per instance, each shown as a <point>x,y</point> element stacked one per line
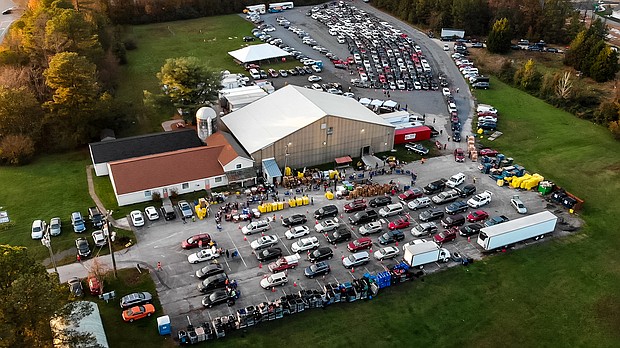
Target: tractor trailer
<point>514,231</point>
<point>417,255</point>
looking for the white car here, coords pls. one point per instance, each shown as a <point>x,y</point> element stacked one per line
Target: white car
<point>203,255</point>
<point>446,92</point>
<point>417,85</point>
<point>327,225</point>
<point>386,253</point>
<point>100,238</point>
<point>419,203</point>
<point>446,47</point>
<point>517,203</point>
<point>480,200</point>
<point>296,232</point>
<point>455,180</point>
<point>151,213</point>
<point>136,218</point>
<point>348,95</point>
<point>38,229</point>
<point>55,226</point>
<point>316,69</point>
<point>370,228</point>
<point>305,244</point>
<point>264,242</point>
<point>314,78</point>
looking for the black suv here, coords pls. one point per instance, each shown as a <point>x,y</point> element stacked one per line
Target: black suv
<point>320,254</point>
<point>213,282</point>
<point>391,237</point>
<point>168,212</point>
<point>338,236</point>
<point>380,201</point>
<point>456,207</point>
<point>430,215</point>
<point>363,217</point>
<point>326,211</point>
<point>435,186</point>
<point>466,190</point>
<point>95,216</point>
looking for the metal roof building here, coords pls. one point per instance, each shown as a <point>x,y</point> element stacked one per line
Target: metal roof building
<point>299,127</point>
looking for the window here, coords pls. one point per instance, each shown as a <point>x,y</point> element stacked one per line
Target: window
<point>218,179</point>
<point>147,193</point>
<point>185,186</point>
<point>238,166</point>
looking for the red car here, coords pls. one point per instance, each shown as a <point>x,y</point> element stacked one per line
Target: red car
<point>356,205</point>
<point>360,244</point>
<point>411,194</point>
<point>194,241</point>
<point>382,78</point>
<point>477,215</point>
<point>488,152</point>
<point>446,236</point>
<point>138,312</point>
<point>94,285</point>
<point>399,224</point>
<point>459,155</point>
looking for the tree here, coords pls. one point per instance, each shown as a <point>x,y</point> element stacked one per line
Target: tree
<point>20,112</point>
<point>68,30</point>
<point>499,37</point>
<point>605,66</point>
<point>75,99</point>
<point>564,87</point>
<point>16,149</point>
<point>187,84</point>
<point>29,297</point>
<point>528,77</point>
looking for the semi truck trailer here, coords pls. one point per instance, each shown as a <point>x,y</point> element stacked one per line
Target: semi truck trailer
<point>534,226</point>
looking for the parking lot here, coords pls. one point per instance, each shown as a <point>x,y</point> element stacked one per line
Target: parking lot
<point>160,241</point>
<point>387,53</point>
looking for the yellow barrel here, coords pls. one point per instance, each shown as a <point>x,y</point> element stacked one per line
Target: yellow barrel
<point>274,206</point>
<point>500,182</point>
<point>262,209</point>
<point>280,205</point>
<point>329,195</point>
<point>306,200</point>
<point>268,208</point>
<point>291,202</point>
<point>299,201</point>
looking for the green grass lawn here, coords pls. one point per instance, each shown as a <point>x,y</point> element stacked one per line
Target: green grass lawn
<point>51,186</point>
<point>142,332</point>
<point>557,294</point>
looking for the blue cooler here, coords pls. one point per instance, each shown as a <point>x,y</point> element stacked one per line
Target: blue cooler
<point>163,325</point>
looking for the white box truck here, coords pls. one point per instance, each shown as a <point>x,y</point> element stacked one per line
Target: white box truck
<point>514,231</point>
<point>417,255</point>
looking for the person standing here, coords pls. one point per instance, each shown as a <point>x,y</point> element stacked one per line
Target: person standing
<point>159,266</point>
<point>227,254</point>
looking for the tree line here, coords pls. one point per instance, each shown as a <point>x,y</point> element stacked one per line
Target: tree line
<point>149,11</point>
<point>531,19</point>
<point>57,73</point>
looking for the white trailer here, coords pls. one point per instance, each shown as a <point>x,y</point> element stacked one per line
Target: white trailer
<point>261,8</point>
<point>417,255</point>
<point>514,231</point>
<point>282,5</point>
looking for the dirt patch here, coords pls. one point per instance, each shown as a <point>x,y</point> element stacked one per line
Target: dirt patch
<point>608,314</point>
<point>615,167</point>
<point>135,278</point>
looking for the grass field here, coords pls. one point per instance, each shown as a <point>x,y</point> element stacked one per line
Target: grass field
<point>556,294</point>
<point>206,38</point>
<point>142,332</point>
<point>51,186</point>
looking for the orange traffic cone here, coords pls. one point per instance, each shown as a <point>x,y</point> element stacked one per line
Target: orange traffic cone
<point>397,243</point>
<point>316,222</point>
<point>468,239</point>
<point>260,265</point>
<point>245,238</point>
<point>273,289</point>
<point>295,284</point>
<point>352,270</point>
<point>262,234</point>
<point>370,250</point>
<point>239,226</point>
<point>342,257</point>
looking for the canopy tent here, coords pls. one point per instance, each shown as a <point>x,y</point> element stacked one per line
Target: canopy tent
<point>364,101</point>
<point>343,160</point>
<point>376,102</point>
<point>390,104</point>
<point>254,53</point>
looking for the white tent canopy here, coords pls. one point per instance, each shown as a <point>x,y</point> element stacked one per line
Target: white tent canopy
<point>255,53</point>
<point>365,101</point>
<point>376,102</point>
<point>390,104</point>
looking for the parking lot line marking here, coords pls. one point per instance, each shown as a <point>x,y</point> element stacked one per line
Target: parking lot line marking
<point>236,248</point>
<point>319,283</point>
<point>285,247</point>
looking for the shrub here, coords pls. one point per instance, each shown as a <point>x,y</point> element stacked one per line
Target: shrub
<point>16,149</point>
<point>156,197</point>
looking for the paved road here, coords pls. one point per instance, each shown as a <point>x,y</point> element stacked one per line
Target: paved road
<point>8,19</point>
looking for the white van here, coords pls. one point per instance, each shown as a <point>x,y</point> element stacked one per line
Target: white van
<point>452,107</point>
<point>255,74</point>
<point>391,209</point>
<point>486,108</point>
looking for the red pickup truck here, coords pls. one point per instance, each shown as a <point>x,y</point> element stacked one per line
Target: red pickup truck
<point>283,263</point>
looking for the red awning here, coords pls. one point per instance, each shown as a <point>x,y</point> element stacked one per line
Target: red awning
<point>343,160</point>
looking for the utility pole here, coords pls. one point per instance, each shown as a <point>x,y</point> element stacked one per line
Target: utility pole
<point>47,242</point>
<point>110,235</point>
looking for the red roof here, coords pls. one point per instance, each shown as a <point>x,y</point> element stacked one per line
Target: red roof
<point>343,160</point>
<point>165,169</point>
